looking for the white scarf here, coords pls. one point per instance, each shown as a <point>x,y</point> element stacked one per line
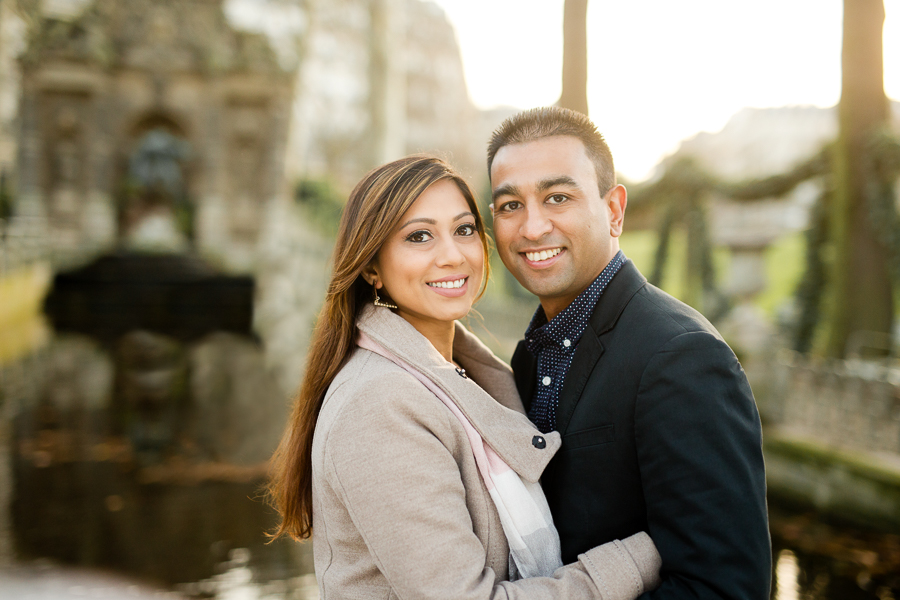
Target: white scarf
<point>522,507</point>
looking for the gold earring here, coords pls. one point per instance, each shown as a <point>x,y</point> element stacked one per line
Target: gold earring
<point>378,301</point>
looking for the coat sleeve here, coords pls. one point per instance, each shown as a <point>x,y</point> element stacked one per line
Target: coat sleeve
<point>699,446</point>
<point>401,485</point>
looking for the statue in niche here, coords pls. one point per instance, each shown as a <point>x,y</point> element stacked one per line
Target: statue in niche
<point>245,171</point>
<point>156,214</point>
<point>66,169</point>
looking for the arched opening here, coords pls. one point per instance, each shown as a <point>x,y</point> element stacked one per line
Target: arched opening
<point>154,191</point>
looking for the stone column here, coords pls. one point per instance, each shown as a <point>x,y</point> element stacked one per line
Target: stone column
<point>387,77</point>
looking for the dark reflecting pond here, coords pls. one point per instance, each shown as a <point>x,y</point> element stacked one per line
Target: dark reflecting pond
<point>199,530</point>
<point>819,559</point>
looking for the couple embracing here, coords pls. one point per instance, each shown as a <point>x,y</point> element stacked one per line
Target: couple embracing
<point>620,457</point>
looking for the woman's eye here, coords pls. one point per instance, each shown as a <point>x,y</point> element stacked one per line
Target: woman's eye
<point>418,237</point>
<point>467,229</point>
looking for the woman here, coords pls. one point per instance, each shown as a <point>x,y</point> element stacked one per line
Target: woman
<point>407,431</point>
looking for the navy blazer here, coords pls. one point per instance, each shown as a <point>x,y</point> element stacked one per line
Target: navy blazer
<point>660,434</point>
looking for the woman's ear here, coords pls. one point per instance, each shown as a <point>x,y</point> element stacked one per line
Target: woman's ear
<point>370,274</point>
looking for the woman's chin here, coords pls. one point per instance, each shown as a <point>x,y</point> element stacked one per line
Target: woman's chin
<point>447,312</point>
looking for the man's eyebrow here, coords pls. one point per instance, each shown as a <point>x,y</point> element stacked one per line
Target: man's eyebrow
<point>507,189</point>
<point>546,184</point>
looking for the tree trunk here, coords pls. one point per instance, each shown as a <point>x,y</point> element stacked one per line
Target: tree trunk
<point>574,77</point>
<point>861,300</point>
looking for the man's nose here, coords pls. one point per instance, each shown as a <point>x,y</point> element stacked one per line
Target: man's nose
<point>536,224</point>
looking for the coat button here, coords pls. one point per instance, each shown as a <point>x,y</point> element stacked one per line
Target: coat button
<point>538,442</point>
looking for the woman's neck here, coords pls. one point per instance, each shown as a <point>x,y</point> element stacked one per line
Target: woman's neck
<point>439,333</point>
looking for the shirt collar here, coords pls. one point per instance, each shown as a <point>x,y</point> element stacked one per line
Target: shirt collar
<point>569,324</point>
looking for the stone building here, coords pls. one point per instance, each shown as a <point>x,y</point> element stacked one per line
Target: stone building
<point>100,77</point>
<point>380,79</point>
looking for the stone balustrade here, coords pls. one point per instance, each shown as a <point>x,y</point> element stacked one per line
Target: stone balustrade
<point>853,404</point>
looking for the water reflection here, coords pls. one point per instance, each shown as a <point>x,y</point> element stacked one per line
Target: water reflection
<point>819,560</point>
<point>786,574</point>
<point>239,581</point>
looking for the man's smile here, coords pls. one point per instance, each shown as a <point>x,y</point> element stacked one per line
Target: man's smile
<point>542,255</point>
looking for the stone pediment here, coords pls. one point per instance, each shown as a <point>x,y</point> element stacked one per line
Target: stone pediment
<point>151,35</point>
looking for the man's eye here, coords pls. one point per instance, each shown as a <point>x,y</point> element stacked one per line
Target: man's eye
<point>418,237</point>
<point>557,199</point>
<point>509,206</point>
<point>467,230</point>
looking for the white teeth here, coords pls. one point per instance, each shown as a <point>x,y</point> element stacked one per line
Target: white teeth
<point>448,284</point>
<point>542,255</point>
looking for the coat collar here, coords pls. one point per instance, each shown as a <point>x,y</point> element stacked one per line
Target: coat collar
<point>488,397</point>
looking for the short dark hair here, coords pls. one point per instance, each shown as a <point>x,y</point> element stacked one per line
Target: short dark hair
<point>538,123</point>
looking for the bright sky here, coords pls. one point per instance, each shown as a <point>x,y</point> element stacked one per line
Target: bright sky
<point>663,70</point>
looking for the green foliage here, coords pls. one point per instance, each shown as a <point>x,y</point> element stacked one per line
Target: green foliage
<point>811,288</point>
<point>679,198</point>
<point>322,202</point>
<point>6,199</point>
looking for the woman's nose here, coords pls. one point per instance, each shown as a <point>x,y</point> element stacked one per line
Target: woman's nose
<point>450,253</point>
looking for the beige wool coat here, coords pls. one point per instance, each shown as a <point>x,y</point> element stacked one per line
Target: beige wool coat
<point>399,507</point>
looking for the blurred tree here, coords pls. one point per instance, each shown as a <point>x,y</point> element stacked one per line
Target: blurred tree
<point>853,243</point>
<point>860,282</point>
<point>574,77</point>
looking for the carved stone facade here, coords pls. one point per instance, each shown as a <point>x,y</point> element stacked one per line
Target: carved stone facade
<point>362,100</point>
<point>97,81</point>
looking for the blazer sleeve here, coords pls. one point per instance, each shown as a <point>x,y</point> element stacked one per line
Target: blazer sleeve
<point>699,445</point>
<point>401,486</point>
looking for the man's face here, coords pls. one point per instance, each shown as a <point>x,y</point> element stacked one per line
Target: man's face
<point>554,230</point>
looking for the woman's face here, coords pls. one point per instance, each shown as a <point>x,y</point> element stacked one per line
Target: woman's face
<point>431,266</point>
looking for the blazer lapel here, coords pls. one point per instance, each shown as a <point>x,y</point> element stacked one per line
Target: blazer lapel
<point>524,366</point>
<point>615,298</point>
<point>586,356</point>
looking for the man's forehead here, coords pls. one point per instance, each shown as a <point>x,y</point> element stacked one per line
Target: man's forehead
<point>555,160</point>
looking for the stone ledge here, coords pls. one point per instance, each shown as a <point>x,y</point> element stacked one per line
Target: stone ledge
<point>851,485</point>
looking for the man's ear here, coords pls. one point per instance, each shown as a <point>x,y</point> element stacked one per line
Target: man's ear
<point>616,201</point>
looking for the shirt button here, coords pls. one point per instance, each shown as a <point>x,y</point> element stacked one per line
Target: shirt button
<point>546,380</point>
<point>539,442</point>
<point>567,343</point>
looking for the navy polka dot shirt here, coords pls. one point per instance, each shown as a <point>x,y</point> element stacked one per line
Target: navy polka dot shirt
<point>554,345</point>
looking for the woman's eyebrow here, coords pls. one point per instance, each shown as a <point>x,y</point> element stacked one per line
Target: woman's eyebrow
<point>433,222</point>
<point>419,220</point>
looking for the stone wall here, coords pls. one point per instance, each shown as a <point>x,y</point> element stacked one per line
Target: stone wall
<point>851,404</point>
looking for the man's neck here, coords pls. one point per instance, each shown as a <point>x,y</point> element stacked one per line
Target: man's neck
<point>554,305</point>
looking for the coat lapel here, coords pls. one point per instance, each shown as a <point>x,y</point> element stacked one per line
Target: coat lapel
<point>495,411</point>
<point>615,298</point>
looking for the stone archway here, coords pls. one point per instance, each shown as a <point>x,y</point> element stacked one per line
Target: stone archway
<point>155,207</point>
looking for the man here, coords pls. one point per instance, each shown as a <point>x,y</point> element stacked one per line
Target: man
<point>660,429</point>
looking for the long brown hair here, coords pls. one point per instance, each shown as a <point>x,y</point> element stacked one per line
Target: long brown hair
<point>374,208</point>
